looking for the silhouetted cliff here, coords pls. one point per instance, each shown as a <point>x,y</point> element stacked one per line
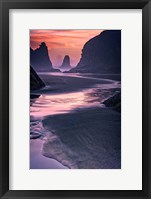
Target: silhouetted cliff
<point>101,54</point>
<point>40,60</point>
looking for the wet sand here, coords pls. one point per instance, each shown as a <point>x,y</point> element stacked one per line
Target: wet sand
<point>86,139</point>
<point>66,84</point>
<point>75,129</point>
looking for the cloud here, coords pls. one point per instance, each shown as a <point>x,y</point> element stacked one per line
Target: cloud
<point>62,42</point>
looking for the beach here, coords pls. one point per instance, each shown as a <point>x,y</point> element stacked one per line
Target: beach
<point>74,128</point>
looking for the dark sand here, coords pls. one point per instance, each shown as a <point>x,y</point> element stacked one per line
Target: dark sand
<point>87,139</point>
<point>83,138</point>
<point>65,84</point>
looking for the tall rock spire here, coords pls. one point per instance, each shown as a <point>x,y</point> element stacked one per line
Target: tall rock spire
<point>65,64</point>
<point>39,59</point>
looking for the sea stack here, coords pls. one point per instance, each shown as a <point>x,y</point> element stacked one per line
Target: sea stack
<point>39,59</point>
<point>65,64</point>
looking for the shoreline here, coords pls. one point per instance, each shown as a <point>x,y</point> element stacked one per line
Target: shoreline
<point>67,84</point>
<point>69,143</point>
<point>95,130</point>
<point>36,157</point>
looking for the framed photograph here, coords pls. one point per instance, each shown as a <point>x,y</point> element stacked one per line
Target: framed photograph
<point>75,99</point>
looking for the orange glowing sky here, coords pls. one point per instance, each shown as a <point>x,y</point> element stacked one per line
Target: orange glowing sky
<point>62,42</point>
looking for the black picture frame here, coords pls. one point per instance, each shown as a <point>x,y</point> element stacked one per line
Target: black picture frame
<point>5,5</point>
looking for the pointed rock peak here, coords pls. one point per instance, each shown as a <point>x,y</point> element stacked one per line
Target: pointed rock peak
<point>66,60</point>
<point>39,59</point>
<point>65,64</point>
<point>43,44</point>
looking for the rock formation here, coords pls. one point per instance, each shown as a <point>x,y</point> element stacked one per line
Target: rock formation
<point>40,60</point>
<point>114,102</point>
<point>35,81</point>
<point>101,54</point>
<point>65,64</point>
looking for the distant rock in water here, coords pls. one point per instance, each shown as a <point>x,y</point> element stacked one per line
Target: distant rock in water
<point>101,54</point>
<point>35,81</point>
<point>114,102</point>
<point>40,60</point>
<point>65,64</point>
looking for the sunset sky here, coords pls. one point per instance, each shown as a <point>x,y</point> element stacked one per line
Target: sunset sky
<point>62,42</point>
